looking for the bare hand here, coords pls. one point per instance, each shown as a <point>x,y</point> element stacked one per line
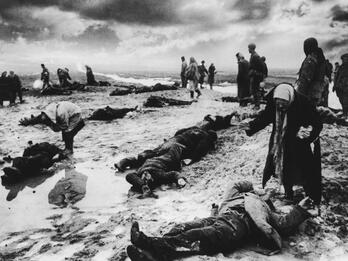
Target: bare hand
<point>304,133</point>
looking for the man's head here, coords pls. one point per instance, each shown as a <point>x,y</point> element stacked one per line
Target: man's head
<point>310,45</point>
<point>182,58</point>
<point>66,69</point>
<point>263,58</point>
<point>4,74</point>
<point>251,47</point>
<point>42,66</point>
<point>203,62</point>
<point>11,74</point>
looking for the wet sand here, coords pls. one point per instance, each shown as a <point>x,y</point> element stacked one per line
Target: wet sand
<point>95,225</point>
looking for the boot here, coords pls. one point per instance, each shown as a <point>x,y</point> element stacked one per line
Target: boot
<point>136,254</point>
<point>157,246</point>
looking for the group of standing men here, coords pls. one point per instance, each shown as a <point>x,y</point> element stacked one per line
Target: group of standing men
<point>64,77</point>
<point>194,75</point>
<point>250,76</point>
<point>10,88</point>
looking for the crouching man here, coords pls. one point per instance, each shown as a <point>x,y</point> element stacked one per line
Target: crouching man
<point>36,158</point>
<point>62,116</point>
<point>241,216</point>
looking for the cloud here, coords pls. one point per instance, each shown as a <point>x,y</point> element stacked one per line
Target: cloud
<point>339,13</point>
<point>96,36</point>
<point>149,12</point>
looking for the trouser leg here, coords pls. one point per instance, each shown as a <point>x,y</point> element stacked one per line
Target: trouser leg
<point>192,93</point>
<point>182,227</point>
<point>20,94</point>
<point>213,239</point>
<point>255,88</point>
<point>68,137</point>
<point>135,181</point>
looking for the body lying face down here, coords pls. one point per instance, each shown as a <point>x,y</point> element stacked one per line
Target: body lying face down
<point>35,158</point>
<point>162,165</point>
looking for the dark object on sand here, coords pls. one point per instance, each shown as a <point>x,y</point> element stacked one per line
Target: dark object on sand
<point>35,159</point>
<point>57,90</point>
<point>104,83</point>
<point>109,114</point>
<point>242,217</point>
<point>124,90</point>
<point>162,164</point>
<point>159,102</point>
<point>329,116</point>
<point>245,100</point>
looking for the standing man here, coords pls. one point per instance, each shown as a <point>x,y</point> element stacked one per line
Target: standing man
<point>341,84</point>
<point>202,72</point>
<point>16,86</point>
<point>243,82</point>
<point>183,72</point>
<point>211,75</point>
<point>256,74</point>
<point>90,77</point>
<point>311,81</point>
<point>45,77</point>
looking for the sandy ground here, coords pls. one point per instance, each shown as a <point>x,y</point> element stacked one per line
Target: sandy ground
<point>96,221</point>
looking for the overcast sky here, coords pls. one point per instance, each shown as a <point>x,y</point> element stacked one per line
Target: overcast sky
<point>126,35</point>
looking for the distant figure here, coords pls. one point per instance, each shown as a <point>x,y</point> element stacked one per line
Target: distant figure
<point>5,92</point>
<point>211,75</point>
<point>66,78</point>
<point>182,73</point>
<point>312,73</point>
<point>90,77</point>
<point>341,84</point>
<point>291,157</point>
<point>337,66</point>
<point>256,74</point>
<point>60,75</point>
<point>265,68</point>
<point>45,77</point>
<point>202,72</point>
<point>62,116</point>
<point>243,82</point>
<point>16,86</point>
<point>329,70</point>
<point>192,75</point>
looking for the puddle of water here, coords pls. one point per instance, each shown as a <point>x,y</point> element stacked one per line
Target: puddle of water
<point>104,189</point>
<point>27,210</point>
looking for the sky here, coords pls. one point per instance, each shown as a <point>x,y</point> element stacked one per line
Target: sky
<point>152,35</point>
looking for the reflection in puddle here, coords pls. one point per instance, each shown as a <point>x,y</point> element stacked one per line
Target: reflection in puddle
<point>90,186</point>
<point>68,190</point>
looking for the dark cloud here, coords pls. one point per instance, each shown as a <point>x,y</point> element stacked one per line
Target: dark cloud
<point>335,43</point>
<point>96,36</point>
<point>339,13</point>
<point>253,10</point>
<point>149,12</point>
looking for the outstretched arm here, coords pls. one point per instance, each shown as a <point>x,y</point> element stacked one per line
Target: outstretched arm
<point>262,120</point>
